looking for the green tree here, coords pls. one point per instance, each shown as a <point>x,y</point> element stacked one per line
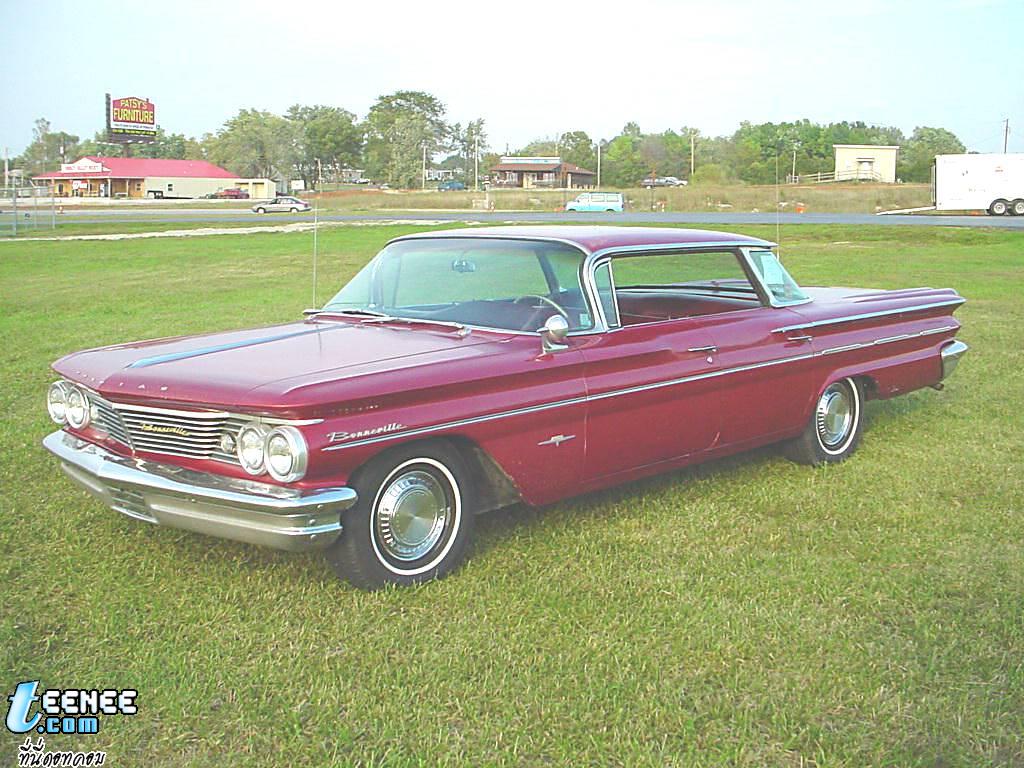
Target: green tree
<point>329,137</point>
<point>47,149</point>
<point>398,128</point>
<point>466,142</point>
<point>576,147</point>
<point>257,144</point>
<point>623,165</point>
<point>915,162</point>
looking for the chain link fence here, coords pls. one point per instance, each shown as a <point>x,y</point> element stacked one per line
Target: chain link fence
<point>25,209</point>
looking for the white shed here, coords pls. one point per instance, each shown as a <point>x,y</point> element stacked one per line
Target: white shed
<point>866,162</point>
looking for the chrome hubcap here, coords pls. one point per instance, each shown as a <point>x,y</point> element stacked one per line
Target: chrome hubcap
<point>834,416</point>
<point>411,515</point>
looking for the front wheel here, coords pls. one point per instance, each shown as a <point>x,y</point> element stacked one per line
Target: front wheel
<point>413,520</point>
<point>835,426</point>
<point>1017,207</point>
<point>261,210</point>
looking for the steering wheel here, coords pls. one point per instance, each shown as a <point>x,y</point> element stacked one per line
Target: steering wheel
<point>543,300</point>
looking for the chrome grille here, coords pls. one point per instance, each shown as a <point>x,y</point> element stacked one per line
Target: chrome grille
<point>108,419</point>
<point>130,502</point>
<point>196,434</point>
<point>183,433</point>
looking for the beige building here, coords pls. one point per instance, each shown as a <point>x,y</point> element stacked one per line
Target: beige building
<point>865,162</point>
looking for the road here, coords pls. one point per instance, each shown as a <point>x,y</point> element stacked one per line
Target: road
<point>214,216</point>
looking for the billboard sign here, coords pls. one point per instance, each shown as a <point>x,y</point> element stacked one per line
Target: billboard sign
<point>131,118</point>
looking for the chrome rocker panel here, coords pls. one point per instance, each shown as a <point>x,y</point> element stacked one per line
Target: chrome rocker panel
<point>951,354</point>
<point>242,510</point>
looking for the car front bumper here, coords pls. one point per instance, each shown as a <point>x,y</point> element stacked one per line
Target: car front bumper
<point>216,505</point>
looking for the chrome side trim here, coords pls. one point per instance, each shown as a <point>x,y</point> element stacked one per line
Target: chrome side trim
<point>869,315</point>
<point>629,390</point>
<point>886,340</point>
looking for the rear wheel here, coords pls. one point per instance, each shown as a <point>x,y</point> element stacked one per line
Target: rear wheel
<point>413,520</point>
<point>998,207</point>
<point>1017,207</point>
<point>835,426</point>
<point>261,210</point>
<point>295,210</point>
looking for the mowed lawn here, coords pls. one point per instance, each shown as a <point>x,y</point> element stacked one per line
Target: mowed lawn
<point>747,612</point>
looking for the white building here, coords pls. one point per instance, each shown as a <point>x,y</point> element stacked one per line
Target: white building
<point>866,162</point>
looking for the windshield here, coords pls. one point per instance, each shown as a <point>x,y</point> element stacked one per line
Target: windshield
<point>507,284</point>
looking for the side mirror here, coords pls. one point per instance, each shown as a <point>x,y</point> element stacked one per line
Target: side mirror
<point>554,333</point>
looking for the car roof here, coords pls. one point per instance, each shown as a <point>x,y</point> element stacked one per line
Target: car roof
<point>592,239</point>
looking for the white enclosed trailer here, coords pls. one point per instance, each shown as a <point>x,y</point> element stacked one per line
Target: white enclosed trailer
<point>992,183</point>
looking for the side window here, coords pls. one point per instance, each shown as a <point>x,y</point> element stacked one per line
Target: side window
<point>656,287</point>
<point>782,287</point>
<point>606,293</point>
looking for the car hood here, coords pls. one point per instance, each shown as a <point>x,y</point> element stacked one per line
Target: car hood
<point>266,368</point>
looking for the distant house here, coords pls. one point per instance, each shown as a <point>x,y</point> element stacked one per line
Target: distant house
<point>531,172</point>
<point>866,162</point>
<point>130,177</point>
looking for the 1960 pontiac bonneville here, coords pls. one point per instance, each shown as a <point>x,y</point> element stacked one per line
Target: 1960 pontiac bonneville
<point>464,370</point>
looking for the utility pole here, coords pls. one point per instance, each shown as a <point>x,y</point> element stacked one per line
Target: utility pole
<point>476,162</point>
<point>7,170</point>
<point>692,142</point>
<point>599,164</point>
<point>1006,134</point>
<point>424,180</point>
<point>793,175</point>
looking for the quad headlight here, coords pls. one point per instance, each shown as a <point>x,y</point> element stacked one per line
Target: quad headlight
<point>280,452</point>
<point>57,402</point>
<point>76,407</point>
<point>69,404</point>
<point>286,454</point>
<point>251,447</point>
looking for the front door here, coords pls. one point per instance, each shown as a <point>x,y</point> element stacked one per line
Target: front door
<point>648,398</point>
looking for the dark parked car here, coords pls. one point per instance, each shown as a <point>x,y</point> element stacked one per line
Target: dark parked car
<point>233,194</point>
<point>451,186</point>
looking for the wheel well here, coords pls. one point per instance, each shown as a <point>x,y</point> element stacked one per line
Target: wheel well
<point>868,386</point>
<point>494,487</point>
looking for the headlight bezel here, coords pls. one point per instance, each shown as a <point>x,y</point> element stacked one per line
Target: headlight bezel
<point>298,450</point>
<point>60,386</point>
<point>260,431</point>
<point>75,391</point>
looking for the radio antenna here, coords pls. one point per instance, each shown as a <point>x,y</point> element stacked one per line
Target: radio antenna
<point>778,214</point>
<point>316,224</point>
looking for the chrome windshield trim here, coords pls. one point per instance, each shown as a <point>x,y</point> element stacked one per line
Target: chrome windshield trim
<point>869,315</point>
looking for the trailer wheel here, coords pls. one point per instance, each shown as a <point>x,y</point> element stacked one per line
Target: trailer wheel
<point>998,208</point>
<point>1017,207</point>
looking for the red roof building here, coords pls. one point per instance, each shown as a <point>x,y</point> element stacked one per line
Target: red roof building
<point>94,176</point>
<point>530,172</point>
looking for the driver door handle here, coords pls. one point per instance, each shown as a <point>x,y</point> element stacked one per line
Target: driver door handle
<point>708,348</point>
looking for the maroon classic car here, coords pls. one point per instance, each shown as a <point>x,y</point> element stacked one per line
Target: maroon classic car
<point>465,370</point>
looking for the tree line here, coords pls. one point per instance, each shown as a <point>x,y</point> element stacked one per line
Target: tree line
<point>402,128</point>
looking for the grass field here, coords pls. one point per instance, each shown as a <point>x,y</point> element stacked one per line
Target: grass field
<point>818,198</point>
<point>748,612</point>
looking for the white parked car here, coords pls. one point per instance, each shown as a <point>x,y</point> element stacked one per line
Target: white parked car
<point>283,204</point>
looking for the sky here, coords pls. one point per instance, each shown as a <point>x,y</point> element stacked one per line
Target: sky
<point>530,69</point>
